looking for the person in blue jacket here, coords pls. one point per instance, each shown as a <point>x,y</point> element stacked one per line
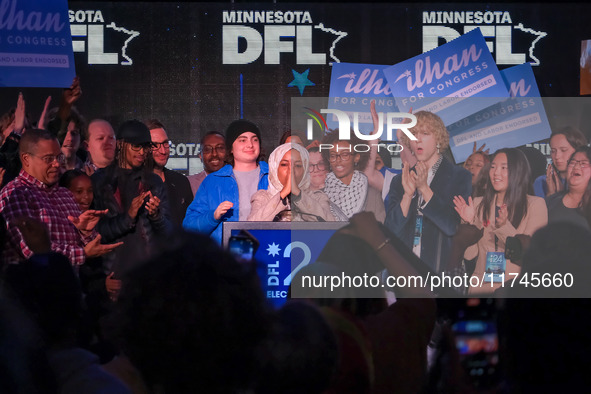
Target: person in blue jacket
<point>225,194</point>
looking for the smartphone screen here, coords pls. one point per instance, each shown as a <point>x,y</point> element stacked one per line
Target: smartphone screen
<point>478,345</point>
<point>241,248</point>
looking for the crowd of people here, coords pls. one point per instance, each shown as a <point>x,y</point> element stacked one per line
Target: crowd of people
<point>114,291</point>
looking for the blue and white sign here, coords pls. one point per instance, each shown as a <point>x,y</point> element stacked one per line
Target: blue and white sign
<point>352,87</point>
<point>514,122</point>
<point>281,254</point>
<point>442,80</point>
<point>35,44</point>
<point>520,81</point>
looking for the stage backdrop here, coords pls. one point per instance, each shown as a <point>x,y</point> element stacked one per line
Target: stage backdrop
<point>198,66</point>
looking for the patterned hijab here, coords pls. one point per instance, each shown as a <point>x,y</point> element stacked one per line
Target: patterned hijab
<point>275,158</point>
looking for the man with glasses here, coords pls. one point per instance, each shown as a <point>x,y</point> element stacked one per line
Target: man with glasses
<point>318,169</point>
<point>135,197</point>
<point>177,185</point>
<point>213,157</point>
<point>35,196</point>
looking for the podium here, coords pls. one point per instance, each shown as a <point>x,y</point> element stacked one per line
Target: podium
<point>284,248</point>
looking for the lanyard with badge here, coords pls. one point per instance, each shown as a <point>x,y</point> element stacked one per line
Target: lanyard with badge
<point>418,230</point>
<point>494,270</point>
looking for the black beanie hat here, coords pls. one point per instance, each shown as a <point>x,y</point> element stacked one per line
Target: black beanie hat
<point>134,132</point>
<point>238,127</point>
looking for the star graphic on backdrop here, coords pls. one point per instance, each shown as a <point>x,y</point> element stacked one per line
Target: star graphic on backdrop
<point>273,249</point>
<point>301,80</point>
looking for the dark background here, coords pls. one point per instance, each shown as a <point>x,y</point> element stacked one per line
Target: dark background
<point>178,77</point>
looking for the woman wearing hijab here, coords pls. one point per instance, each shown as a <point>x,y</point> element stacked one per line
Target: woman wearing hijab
<point>289,182</point>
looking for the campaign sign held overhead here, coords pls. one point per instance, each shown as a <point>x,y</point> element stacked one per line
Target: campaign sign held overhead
<point>35,44</point>
<point>445,79</point>
<point>516,121</point>
<point>352,88</point>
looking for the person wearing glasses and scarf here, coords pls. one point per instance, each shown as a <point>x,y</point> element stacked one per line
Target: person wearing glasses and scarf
<point>135,197</point>
<point>346,185</point>
<point>289,181</point>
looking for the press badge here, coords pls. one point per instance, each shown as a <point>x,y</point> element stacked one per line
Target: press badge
<point>494,271</point>
<point>418,230</point>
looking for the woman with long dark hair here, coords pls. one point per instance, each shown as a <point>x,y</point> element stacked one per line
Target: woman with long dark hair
<point>563,143</point>
<point>573,205</point>
<point>478,163</point>
<point>506,209</point>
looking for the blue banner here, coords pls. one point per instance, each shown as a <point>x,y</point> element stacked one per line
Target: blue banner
<point>35,44</point>
<point>520,81</point>
<point>352,87</point>
<point>442,80</point>
<point>514,122</point>
<point>281,254</point>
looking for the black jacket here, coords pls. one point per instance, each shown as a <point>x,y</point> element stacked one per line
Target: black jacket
<point>440,220</point>
<point>114,189</point>
<point>180,195</point>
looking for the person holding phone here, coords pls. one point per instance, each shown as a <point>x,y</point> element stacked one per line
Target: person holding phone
<point>505,210</point>
<point>563,144</point>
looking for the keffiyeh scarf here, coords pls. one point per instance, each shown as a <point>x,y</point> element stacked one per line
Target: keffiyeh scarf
<point>349,198</point>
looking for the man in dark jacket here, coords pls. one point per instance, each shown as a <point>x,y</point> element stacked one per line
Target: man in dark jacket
<point>177,185</point>
<point>135,197</point>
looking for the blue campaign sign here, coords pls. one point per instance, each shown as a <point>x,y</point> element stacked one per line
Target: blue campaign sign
<point>520,81</point>
<point>284,249</point>
<point>35,44</point>
<point>513,122</point>
<point>352,87</point>
<point>444,80</point>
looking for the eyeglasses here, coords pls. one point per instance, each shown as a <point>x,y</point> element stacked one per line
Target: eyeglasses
<point>137,148</point>
<point>49,159</point>
<point>581,163</point>
<point>345,156</point>
<point>158,145</point>
<point>208,149</point>
<point>319,166</point>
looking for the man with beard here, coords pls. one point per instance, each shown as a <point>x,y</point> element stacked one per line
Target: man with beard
<point>177,185</point>
<point>135,197</point>
<point>213,156</point>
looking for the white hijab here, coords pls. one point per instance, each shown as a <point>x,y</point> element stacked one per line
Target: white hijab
<point>275,158</point>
